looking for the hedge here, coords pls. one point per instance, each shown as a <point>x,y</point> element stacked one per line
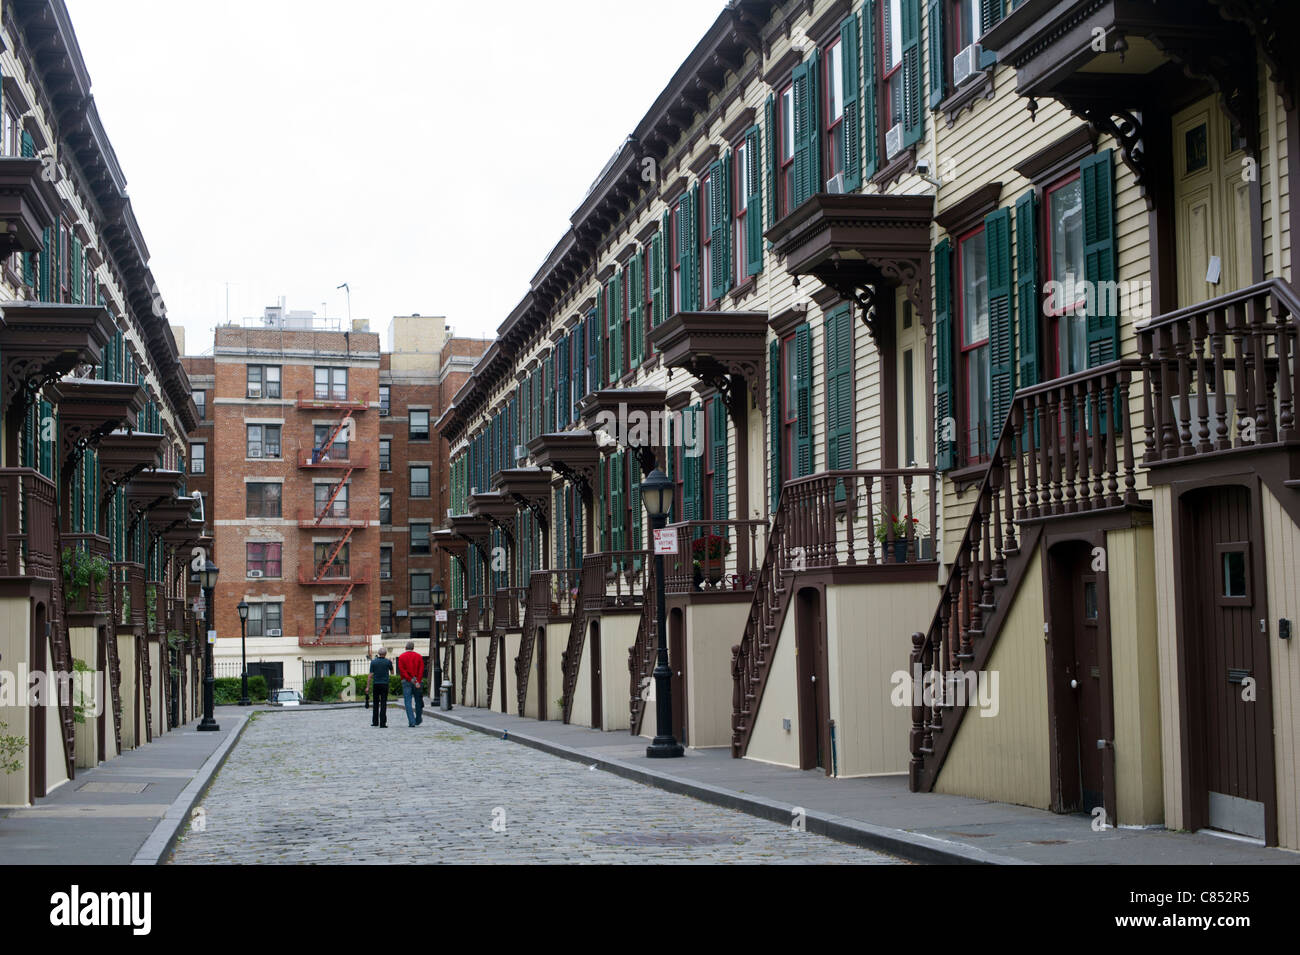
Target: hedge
<point>226,689</point>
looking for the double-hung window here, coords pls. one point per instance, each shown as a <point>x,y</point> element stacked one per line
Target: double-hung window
<point>421,585</point>
<point>420,480</point>
<point>265,619</point>
<point>263,441</point>
<point>325,568</point>
<point>338,507</point>
<point>385,507</point>
<point>420,539</point>
<point>198,458</point>
<point>741,175</point>
<point>385,400</point>
<point>707,187</point>
<point>263,499</point>
<point>385,454</point>
<point>1065,305</point>
<point>833,108</point>
<point>418,425</point>
<point>891,62</point>
<point>785,150</point>
<point>263,558</point>
<point>973,326</point>
<point>337,451</point>
<point>331,384</point>
<point>323,610</point>
<point>201,404</point>
<point>263,381</point>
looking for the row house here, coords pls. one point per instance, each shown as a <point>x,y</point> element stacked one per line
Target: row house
<point>97,528</point>
<point>967,333</point>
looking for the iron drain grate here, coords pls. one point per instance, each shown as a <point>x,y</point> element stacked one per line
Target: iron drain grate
<point>665,839</point>
<point>123,788</point>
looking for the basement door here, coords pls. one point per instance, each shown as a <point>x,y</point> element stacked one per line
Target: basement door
<point>1230,725</point>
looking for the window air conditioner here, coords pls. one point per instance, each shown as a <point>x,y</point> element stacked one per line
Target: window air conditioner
<point>255,573</point>
<point>894,141</point>
<point>965,64</point>
<point>254,391</point>
<point>274,632</point>
<point>385,629</point>
<point>835,185</point>
<point>383,412</point>
<point>521,453</point>
<point>385,575</point>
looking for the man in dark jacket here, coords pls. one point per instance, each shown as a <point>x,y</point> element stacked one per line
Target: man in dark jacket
<point>381,668</point>
<point>410,667</point>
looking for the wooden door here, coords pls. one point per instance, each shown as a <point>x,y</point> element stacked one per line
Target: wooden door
<point>810,672</point>
<point>541,673</point>
<point>911,377</point>
<point>1211,205</point>
<point>1230,724</point>
<point>677,663</point>
<point>593,639</point>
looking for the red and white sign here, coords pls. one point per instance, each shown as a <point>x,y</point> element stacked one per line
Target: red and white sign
<point>666,540</point>
<point>440,616</point>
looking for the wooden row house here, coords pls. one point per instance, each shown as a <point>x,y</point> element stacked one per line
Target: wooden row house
<point>970,329</point>
<point>96,529</point>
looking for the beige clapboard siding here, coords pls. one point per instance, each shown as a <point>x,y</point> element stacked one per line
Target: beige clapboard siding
<point>1167,646</point>
<point>1135,676</point>
<point>1282,559</point>
<point>711,631</point>
<point>1006,757</point>
<point>15,617</point>
<point>770,742</point>
<point>617,635</point>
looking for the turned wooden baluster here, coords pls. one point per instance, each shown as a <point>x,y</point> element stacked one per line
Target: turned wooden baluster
<point>1008,523</point>
<point>1035,430</point>
<point>871,522</point>
<point>1243,362</point>
<point>1150,408</point>
<point>975,591</point>
<point>1052,450</point>
<point>1103,428</point>
<point>998,484</point>
<point>851,514</point>
<point>1069,447</point>
<point>911,527</point>
<point>1266,426</point>
<point>934,513</point>
<point>1019,441</point>
<point>1283,320</point>
<point>1202,380</point>
<point>1218,345</point>
<point>1113,435</point>
<point>916,738</point>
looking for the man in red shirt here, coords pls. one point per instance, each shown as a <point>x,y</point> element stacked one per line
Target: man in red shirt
<point>410,667</point>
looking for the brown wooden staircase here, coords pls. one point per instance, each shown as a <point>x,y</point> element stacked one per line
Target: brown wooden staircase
<point>641,655</point>
<point>589,600</point>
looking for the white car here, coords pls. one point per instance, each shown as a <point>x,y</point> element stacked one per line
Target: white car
<point>286,698</point>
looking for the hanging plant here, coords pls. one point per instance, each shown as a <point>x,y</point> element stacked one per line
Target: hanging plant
<point>83,571</point>
<point>150,605</point>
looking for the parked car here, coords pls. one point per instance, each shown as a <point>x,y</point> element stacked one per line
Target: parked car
<point>286,698</point>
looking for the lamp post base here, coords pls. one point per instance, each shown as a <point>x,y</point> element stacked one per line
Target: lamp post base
<point>664,747</point>
<point>209,726</point>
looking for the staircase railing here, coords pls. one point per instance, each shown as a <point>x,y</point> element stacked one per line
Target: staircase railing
<point>1066,447</point>
<point>1222,375</point>
<point>641,657</point>
<point>586,603</point>
<point>715,555</point>
<point>536,600</point>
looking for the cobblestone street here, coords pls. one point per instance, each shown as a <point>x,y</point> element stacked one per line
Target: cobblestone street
<point>326,787</point>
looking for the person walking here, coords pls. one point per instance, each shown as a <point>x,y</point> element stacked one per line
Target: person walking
<point>369,658</point>
<point>410,667</point>
<point>381,668</point>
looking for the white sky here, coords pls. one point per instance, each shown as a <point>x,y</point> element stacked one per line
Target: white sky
<point>428,153</point>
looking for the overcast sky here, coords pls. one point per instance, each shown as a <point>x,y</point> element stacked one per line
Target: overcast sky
<point>428,153</point>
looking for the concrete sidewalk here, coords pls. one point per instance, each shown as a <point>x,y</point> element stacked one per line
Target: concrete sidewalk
<point>126,810</point>
<point>879,812</point>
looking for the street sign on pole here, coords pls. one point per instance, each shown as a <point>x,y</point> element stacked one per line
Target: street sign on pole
<point>212,636</point>
<point>666,541</point>
<point>440,616</point>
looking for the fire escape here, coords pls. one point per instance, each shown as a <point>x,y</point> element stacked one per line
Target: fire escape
<point>331,570</point>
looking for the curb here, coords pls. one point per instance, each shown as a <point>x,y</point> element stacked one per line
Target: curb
<point>914,847</point>
<point>164,835</point>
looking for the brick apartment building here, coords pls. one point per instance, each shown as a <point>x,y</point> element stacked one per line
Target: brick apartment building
<point>323,478</point>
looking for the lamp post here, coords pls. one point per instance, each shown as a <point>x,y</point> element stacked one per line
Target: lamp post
<point>439,595</point>
<point>208,580</point>
<point>657,496</point>
<point>243,654</point>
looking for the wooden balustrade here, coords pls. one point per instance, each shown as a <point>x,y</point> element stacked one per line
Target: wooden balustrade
<point>588,600</point>
<point>129,593</point>
<point>1222,375</point>
<point>28,524</point>
<point>715,555</point>
<point>507,610</point>
<point>94,597</point>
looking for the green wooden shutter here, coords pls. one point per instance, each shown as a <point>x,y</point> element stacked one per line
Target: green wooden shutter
<point>938,55</point>
<point>718,450</point>
<point>775,412</point>
<point>694,249</point>
<point>47,447</point>
<point>839,388</point>
<point>43,275</point>
<point>1027,286</point>
<point>851,83</point>
<point>870,131</point>
<point>548,394</point>
<point>665,256</point>
<point>635,313</point>
<point>753,187</point>
<point>1097,175</point>
<point>616,501</point>
<point>657,278</point>
<point>76,282</point>
<point>771,124</point>
<point>593,348</point>
<point>912,113</point>
<point>815,182</point>
<point>28,145</point>
<point>991,12</point>
<point>614,326</point>
<point>803,449</point>
<point>1002,341</point>
<point>800,98</point>
<point>720,227</point>
<point>945,421</point>
<point>684,250</point>
<point>691,467</point>
<point>635,512</point>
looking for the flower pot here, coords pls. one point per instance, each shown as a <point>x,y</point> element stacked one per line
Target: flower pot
<point>900,551</point>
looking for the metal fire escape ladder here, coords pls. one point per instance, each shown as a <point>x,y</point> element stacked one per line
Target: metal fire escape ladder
<point>333,555</point>
<point>334,612</point>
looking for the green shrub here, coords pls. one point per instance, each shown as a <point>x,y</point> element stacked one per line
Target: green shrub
<point>225,689</point>
<point>329,689</point>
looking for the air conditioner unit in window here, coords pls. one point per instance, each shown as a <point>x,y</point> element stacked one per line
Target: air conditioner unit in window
<point>383,412</point>
<point>965,64</point>
<point>255,573</point>
<point>385,629</point>
<point>274,632</point>
<point>894,141</point>
<point>254,391</point>
<point>835,185</point>
<point>385,575</point>
<point>521,453</point>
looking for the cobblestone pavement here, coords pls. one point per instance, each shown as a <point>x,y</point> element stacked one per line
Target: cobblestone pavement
<point>326,787</point>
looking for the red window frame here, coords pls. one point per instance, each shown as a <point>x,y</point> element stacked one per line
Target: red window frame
<point>784,143</point>
<point>887,76</point>
<point>706,240</point>
<point>674,302</point>
<point>834,161</point>
<point>739,208</point>
<point>789,411</point>
<point>1054,315</point>
<point>626,318</point>
<point>971,455</point>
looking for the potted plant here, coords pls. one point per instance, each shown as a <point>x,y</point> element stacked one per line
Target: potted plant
<point>83,574</point>
<point>11,750</point>
<point>895,527</point>
<point>709,553</point>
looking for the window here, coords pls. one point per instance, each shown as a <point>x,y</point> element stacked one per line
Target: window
<point>421,627</point>
<point>891,32</point>
<point>263,558</point>
<point>741,176</point>
<point>674,256</point>
<point>198,458</point>
<point>973,312</point>
<point>331,384</point>
<point>324,567</point>
<point>385,400</point>
<point>265,619</point>
<point>263,381</point>
<point>385,616</point>
<point>420,480</point>
<point>338,507</point>
<point>386,508</point>
<point>421,585</point>
<point>385,454</point>
<point>323,610</point>
<point>262,500</point>
<point>833,109</point>
<point>420,539</point>
<point>965,23</point>
<point>790,409</point>
<point>337,451</point>
<point>786,184</point>
<point>418,425</point>
<point>1067,320</point>
<point>201,403</point>
<point>386,563</point>
<point>263,441</point>
<point>707,186</point>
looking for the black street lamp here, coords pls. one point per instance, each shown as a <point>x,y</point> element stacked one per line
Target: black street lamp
<point>208,580</point>
<point>657,496</point>
<point>243,654</point>
<point>439,595</point>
